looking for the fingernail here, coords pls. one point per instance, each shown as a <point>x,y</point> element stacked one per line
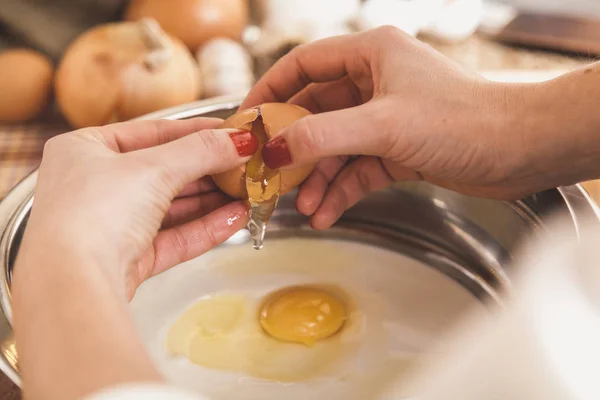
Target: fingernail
<point>245,142</point>
<point>276,153</point>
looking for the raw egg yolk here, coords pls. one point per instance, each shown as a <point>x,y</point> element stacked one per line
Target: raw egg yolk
<point>302,315</point>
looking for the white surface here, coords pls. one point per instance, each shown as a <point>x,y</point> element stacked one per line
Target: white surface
<point>405,306</point>
<point>543,346</point>
<point>145,392</point>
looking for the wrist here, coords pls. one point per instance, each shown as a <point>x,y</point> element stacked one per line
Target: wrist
<point>518,123</point>
<point>555,131</point>
<point>492,118</point>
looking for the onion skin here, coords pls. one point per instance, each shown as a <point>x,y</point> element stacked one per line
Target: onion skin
<point>111,73</point>
<point>25,84</point>
<point>194,21</point>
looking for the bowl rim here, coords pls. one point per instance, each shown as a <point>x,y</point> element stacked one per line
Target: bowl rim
<point>15,207</point>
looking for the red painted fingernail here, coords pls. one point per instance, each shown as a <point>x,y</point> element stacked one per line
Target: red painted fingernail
<point>245,142</point>
<point>276,153</point>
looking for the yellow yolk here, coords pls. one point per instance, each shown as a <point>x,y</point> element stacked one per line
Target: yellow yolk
<point>302,315</point>
<point>223,332</point>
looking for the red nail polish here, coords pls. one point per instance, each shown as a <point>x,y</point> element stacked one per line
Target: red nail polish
<point>276,153</point>
<point>245,142</point>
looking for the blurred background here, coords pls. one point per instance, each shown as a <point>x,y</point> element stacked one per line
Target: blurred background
<point>68,64</point>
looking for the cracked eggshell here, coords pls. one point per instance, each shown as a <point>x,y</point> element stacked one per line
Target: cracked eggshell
<point>275,117</point>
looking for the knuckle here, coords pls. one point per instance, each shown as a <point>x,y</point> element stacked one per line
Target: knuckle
<point>309,139</point>
<point>65,140</point>
<point>389,32</point>
<point>209,235</point>
<point>181,244</point>
<point>363,180</point>
<point>161,127</point>
<point>343,199</point>
<point>297,51</point>
<point>53,144</point>
<point>88,134</point>
<point>211,143</point>
<point>168,219</point>
<point>208,140</point>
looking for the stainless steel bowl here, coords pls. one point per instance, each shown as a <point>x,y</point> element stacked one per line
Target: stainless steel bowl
<point>470,240</point>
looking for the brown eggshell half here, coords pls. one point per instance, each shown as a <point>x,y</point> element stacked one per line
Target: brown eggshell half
<point>275,117</point>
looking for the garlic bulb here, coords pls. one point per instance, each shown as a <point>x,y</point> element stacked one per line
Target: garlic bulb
<point>408,15</point>
<point>458,20</point>
<point>325,31</point>
<point>293,21</point>
<point>226,68</point>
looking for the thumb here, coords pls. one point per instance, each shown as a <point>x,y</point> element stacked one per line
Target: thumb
<point>201,153</point>
<point>352,131</point>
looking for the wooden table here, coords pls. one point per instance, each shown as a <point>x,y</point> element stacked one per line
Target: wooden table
<point>20,147</point>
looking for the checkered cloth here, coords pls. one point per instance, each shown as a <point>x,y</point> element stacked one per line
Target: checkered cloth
<point>21,150</point>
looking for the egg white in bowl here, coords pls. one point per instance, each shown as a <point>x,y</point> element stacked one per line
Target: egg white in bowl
<point>397,308</point>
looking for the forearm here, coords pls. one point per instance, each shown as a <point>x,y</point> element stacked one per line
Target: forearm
<point>559,126</point>
<point>73,329</point>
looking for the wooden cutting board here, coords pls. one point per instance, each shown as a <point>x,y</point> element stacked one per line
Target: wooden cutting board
<point>565,33</point>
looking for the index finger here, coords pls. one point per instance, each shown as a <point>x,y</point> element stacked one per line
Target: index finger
<point>325,60</point>
<point>136,135</point>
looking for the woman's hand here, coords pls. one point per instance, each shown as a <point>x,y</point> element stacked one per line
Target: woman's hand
<point>113,206</point>
<point>136,196</point>
<point>409,112</point>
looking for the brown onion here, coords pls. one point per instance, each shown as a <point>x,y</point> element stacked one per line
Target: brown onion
<point>119,71</point>
<point>25,84</point>
<point>194,21</point>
